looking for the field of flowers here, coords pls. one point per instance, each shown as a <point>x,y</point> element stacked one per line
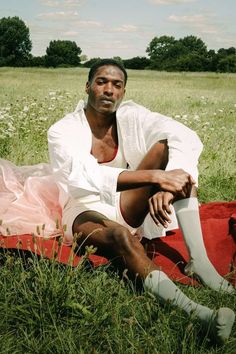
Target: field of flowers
<point>49,308</point>
<point>32,99</point>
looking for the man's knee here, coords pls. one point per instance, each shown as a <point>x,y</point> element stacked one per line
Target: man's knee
<point>123,241</point>
<point>157,157</point>
<point>162,153</point>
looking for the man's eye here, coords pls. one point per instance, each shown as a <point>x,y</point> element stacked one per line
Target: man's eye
<point>118,85</point>
<point>100,82</point>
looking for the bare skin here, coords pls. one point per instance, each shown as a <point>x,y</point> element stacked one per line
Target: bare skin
<point>149,188</point>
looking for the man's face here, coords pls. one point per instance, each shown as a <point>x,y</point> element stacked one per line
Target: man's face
<point>106,90</point>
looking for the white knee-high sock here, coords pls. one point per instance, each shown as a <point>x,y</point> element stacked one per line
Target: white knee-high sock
<point>160,285</point>
<point>219,323</point>
<point>187,213</point>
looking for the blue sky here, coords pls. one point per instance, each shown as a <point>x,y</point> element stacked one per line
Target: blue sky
<point>107,28</point>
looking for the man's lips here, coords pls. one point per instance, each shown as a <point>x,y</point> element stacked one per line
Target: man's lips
<point>106,100</point>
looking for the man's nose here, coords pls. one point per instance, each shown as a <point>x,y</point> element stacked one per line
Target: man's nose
<point>108,88</point>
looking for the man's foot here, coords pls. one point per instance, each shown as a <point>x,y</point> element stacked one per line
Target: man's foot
<point>208,275</point>
<point>221,325</point>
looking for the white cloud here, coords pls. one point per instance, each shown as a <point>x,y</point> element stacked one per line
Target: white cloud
<point>170,2</point>
<point>225,41</point>
<point>51,3</point>
<point>72,2</point>
<point>70,33</point>
<point>59,15</point>
<point>206,26</point>
<point>89,24</point>
<point>62,3</point>
<point>201,23</point>
<point>126,28</point>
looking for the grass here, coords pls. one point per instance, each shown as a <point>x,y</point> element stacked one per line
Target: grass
<point>48,308</point>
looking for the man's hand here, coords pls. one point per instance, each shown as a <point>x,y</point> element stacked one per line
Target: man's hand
<point>159,207</point>
<point>177,182</point>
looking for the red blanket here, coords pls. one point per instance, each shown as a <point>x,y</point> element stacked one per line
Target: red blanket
<point>219,229</point>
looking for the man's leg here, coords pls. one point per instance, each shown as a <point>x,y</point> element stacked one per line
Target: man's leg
<point>134,206</point>
<point>117,244</point>
<point>134,202</point>
<point>187,213</point>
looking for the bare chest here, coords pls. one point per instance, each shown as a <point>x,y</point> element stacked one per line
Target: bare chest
<point>104,149</point>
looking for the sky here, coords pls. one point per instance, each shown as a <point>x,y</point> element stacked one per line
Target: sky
<point>108,28</point>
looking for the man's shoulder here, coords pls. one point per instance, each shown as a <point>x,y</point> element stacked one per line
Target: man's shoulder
<point>139,112</point>
<point>69,121</point>
<point>131,108</point>
<point>63,123</point>
<point>131,105</point>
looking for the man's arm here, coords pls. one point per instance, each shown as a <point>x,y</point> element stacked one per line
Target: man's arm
<point>184,145</point>
<point>175,181</point>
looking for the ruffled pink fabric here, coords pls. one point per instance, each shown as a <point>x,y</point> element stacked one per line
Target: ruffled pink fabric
<point>29,200</point>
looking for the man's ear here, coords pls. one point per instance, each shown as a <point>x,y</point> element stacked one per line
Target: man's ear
<point>87,87</point>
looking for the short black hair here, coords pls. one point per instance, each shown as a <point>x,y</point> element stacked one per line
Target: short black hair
<point>102,62</point>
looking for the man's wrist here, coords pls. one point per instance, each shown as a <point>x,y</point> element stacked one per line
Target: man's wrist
<point>155,176</point>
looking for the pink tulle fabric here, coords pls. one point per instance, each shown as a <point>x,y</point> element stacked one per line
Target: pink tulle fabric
<point>29,200</point>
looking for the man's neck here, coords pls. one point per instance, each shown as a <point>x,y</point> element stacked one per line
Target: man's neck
<point>99,120</point>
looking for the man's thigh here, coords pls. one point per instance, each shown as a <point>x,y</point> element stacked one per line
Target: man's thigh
<point>113,241</point>
<point>93,228</point>
<point>134,202</point>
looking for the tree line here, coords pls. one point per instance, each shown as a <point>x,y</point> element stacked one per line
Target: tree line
<point>164,53</point>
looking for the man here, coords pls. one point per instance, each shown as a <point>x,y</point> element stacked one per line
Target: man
<point>115,164</point>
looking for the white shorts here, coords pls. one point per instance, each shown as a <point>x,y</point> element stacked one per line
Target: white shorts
<point>75,207</point>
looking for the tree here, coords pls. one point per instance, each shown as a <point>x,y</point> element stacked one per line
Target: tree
<point>186,54</point>
<point>37,61</point>
<point>15,43</point>
<point>222,52</point>
<point>194,45</point>
<point>138,63</point>
<point>158,51</point>
<point>192,55</point>
<point>212,60</point>
<point>83,58</point>
<point>119,59</point>
<point>62,53</point>
<point>227,64</point>
<point>231,51</point>
<point>191,62</point>
<point>90,62</point>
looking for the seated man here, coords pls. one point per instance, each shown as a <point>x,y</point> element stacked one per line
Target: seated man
<point>118,162</point>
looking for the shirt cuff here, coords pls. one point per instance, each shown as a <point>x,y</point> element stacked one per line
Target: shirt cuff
<point>109,184</point>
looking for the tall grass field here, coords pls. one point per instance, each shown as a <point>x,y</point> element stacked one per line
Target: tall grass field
<point>49,308</point>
